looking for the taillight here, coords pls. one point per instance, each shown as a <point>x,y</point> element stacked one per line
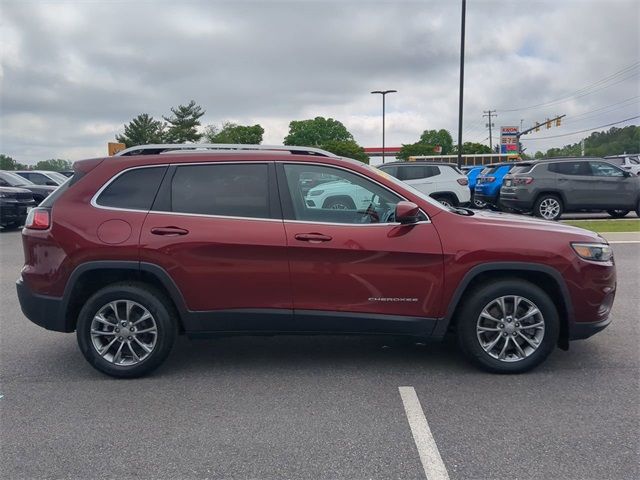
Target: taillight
<point>38,219</point>
<point>463,181</point>
<point>522,181</point>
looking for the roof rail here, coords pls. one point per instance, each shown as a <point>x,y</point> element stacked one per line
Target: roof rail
<point>154,149</point>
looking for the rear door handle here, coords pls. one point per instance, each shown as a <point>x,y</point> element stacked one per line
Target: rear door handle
<point>312,237</point>
<point>169,231</point>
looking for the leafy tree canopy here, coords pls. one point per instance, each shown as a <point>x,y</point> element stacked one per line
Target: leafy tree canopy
<point>346,148</point>
<point>438,137</point>
<point>614,141</point>
<point>55,164</point>
<point>414,150</point>
<point>234,133</point>
<point>8,163</point>
<point>142,130</point>
<point>316,132</point>
<point>183,124</point>
<point>471,148</point>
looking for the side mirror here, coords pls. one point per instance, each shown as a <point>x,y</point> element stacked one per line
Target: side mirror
<point>626,174</point>
<point>407,212</point>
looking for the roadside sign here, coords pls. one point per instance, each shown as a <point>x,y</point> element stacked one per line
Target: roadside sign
<point>509,140</point>
<point>114,148</point>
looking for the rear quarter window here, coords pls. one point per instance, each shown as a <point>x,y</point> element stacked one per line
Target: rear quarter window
<point>521,169</point>
<point>134,189</point>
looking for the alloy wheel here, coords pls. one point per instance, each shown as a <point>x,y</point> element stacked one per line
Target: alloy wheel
<point>549,208</point>
<point>510,328</point>
<point>124,332</point>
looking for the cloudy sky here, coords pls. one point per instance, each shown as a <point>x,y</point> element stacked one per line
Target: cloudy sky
<point>72,73</point>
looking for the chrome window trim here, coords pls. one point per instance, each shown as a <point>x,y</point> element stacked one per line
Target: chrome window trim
<point>280,220</point>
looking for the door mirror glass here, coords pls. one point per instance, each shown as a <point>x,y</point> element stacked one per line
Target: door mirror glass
<point>407,212</point>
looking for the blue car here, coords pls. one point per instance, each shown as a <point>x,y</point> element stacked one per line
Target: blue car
<point>472,175</point>
<point>488,183</point>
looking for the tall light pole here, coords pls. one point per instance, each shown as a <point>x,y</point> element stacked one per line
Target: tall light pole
<point>464,10</point>
<point>383,93</point>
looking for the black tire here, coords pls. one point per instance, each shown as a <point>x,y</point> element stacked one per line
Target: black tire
<point>469,313</point>
<point>148,297</point>
<point>339,203</point>
<point>618,213</point>
<point>446,200</point>
<point>541,208</point>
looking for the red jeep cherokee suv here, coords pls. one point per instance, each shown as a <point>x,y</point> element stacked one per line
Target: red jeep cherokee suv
<point>162,239</point>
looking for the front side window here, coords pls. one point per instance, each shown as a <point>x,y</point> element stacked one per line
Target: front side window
<point>231,190</point>
<point>38,178</point>
<point>349,198</point>
<point>603,169</point>
<point>133,190</point>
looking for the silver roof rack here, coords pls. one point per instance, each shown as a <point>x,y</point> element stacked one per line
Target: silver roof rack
<point>155,149</point>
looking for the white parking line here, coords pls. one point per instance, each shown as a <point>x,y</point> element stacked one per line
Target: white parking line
<point>432,463</point>
<point>624,241</point>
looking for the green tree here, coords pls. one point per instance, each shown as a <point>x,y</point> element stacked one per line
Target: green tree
<point>184,123</point>
<point>8,163</point>
<point>55,164</point>
<point>438,137</point>
<point>142,130</point>
<point>234,133</point>
<point>414,150</point>
<point>346,148</point>
<point>316,132</point>
<point>471,148</point>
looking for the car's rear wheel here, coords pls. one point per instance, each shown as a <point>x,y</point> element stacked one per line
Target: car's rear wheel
<point>477,203</point>
<point>548,207</point>
<point>509,326</point>
<point>618,213</point>
<point>126,330</point>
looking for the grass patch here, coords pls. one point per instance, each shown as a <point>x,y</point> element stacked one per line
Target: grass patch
<point>621,225</point>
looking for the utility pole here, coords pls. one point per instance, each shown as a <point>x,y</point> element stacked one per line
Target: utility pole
<point>489,113</point>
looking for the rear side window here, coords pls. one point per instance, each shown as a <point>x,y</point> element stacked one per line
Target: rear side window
<point>570,168</point>
<point>133,190</point>
<point>521,169</point>
<point>415,172</point>
<point>225,190</point>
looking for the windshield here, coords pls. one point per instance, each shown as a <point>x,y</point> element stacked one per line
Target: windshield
<point>14,180</point>
<point>406,186</point>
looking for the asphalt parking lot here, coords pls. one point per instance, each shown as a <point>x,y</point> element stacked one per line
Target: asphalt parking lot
<point>317,407</point>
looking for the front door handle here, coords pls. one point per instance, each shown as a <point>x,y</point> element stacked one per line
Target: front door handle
<point>312,237</point>
<point>169,231</point>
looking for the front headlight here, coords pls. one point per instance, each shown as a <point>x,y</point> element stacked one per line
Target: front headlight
<point>315,193</point>
<point>596,252</point>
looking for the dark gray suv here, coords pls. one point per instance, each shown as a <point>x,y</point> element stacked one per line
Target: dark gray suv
<point>552,186</point>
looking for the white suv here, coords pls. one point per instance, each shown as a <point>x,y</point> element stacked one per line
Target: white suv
<point>630,163</point>
<point>444,182</point>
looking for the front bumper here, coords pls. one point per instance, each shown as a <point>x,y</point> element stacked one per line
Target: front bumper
<point>42,310</point>
<point>580,331</point>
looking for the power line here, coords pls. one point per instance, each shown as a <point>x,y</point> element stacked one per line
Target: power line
<point>600,85</point>
<point>582,131</point>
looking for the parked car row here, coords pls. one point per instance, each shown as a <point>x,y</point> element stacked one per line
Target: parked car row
<point>550,187</point>
<point>22,190</point>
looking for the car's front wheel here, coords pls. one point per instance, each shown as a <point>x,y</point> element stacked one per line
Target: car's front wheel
<point>509,326</point>
<point>618,213</point>
<point>126,329</point>
<point>548,207</point>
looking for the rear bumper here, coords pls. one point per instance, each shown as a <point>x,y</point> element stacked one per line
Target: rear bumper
<point>580,331</point>
<point>490,199</point>
<point>42,310</point>
<point>515,203</point>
